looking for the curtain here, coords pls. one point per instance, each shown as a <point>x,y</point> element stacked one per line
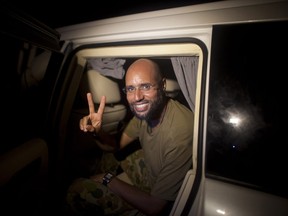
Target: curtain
<point>186,73</point>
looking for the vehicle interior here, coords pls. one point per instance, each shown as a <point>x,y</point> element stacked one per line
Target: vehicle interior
<point>101,71</point>
<point>116,115</point>
<point>65,153</point>
<point>105,76</point>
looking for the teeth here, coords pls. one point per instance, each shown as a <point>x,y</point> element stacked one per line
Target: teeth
<point>140,105</point>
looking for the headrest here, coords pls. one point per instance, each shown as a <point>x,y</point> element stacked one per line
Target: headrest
<point>172,88</point>
<point>100,85</point>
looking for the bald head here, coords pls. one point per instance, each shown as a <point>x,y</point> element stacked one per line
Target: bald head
<point>145,67</point>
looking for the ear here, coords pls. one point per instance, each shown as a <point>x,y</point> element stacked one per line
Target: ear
<point>164,84</point>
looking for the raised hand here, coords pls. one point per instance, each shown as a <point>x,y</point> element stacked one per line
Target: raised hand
<point>93,121</point>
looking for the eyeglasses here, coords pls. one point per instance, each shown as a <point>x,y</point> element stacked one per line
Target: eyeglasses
<point>145,87</point>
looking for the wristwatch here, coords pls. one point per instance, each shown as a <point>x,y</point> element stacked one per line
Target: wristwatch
<point>107,178</point>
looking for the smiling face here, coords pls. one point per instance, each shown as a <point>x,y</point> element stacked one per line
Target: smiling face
<point>147,99</point>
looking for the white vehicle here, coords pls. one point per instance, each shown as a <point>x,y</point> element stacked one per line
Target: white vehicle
<point>226,61</point>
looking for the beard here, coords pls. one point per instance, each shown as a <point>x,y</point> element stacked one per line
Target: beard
<point>156,107</point>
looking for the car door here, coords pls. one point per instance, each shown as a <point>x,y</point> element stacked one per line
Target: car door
<point>27,82</point>
<point>246,143</point>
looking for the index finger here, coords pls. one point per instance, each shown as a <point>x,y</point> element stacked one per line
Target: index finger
<point>90,103</point>
<point>102,105</point>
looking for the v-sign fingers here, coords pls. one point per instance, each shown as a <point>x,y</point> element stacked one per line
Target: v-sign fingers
<point>90,103</point>
<point>102,105</point>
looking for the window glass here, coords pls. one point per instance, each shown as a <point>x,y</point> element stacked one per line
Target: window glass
<point>246,135</point>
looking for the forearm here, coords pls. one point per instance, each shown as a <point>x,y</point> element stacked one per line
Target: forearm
<point>106,141</point>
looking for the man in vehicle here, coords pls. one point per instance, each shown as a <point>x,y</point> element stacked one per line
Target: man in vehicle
<point>164,128</point>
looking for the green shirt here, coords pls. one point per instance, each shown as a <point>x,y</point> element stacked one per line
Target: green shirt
<point>167,150</point>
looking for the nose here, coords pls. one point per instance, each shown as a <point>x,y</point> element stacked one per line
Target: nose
<point>138,95</point>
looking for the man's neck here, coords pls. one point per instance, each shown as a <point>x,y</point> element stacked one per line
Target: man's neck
<point>154,122</point>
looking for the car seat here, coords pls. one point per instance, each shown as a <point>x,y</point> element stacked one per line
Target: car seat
<point>100,85</point>
<point>172,88</point>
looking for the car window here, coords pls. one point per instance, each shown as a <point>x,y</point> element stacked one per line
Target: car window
<point>73,101</point>
<point>246,136</point>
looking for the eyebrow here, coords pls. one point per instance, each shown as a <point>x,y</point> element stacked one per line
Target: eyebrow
<point>147,83</point>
